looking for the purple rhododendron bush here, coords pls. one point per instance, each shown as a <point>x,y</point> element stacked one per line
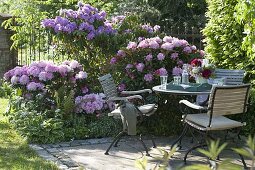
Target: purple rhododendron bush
<point>90,37</point>
<point>49,97</point>
<point>142,62</point>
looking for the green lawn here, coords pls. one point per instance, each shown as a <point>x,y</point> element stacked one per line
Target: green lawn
<point>14,151</point>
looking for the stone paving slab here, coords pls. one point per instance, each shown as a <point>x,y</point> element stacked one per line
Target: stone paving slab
<point>89,154</point>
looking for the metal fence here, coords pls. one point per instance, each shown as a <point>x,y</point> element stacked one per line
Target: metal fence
<point>192,35</point>
<point>39,44</point>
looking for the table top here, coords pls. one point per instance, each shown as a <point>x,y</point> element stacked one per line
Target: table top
<point>158,89</point>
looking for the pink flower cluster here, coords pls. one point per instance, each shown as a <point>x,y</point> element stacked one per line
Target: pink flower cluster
<point>150,29</point>
<point>38,74</point>
<point>45,76</point>
<point>148,58</point>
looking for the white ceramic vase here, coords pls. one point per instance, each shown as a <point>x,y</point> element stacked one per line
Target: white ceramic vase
<point>201,80</point>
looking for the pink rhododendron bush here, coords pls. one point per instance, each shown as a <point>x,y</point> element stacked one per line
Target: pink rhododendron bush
<point>49,97</point>
<point>144,61</point>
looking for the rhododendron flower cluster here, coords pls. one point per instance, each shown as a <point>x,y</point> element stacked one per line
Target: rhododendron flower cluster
<point>45,77</point>
<point>150,29</point>
<point>89,103</point>
<point>38,74</point>
<point>144,61</point>
<point>86,19</point>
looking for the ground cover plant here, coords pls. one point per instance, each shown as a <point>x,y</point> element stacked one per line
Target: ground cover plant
<point>14,150</point>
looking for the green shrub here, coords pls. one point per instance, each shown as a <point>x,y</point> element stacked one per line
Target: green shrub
<point>245,15</point>
<point>5,89</point>
<point>224,35</point>
<point>36,127</point>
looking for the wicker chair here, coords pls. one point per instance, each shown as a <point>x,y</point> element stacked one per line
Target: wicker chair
<point>145,110</point>
<point>223,101</point>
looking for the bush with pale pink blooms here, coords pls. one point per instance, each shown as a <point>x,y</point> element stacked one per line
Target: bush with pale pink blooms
<point>45,78</point>
<point>141,63</point>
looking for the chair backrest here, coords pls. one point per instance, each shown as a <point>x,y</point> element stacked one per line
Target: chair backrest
<point>233,77</point>
<point>228,100</point>
<point>108,85</point>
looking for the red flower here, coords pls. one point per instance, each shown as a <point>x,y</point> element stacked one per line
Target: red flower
<point>206,73</point>
<point>196,62</point>
<point>157,72</point>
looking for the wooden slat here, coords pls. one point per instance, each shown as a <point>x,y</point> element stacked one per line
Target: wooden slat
<point>219,112</point>
<point>228,100</point>
<point>233,77</point>
<point>108,85</point>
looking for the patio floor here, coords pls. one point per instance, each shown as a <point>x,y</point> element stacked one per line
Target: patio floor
<point>89,154</point>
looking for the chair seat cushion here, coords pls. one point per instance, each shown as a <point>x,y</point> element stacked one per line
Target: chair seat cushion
<point>115,113</point>
<point>147,110</point>
<point>218,123</point>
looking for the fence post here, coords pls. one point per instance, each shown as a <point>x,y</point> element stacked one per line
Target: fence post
<point>8,57</point>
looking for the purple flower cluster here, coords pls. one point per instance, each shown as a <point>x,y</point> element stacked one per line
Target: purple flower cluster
<point>86,19</point>
<point>161,72</point>
<point>118,19</point>
<point>151,29</point>
<point>89,103</point>
<point>121,87</point>
<point>177,71</point>
<point>148,77</point>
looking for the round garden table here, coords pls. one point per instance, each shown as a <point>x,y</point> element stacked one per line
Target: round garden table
<point>168,110</point>
<point>158,89</point>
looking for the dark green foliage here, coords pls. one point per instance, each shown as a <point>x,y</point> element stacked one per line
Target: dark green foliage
<point>104,126</point>
<point>167,119</point>
<point>249,117</point>
<point>180,13</point>
<point>169,14</point>
<point>224,35</point>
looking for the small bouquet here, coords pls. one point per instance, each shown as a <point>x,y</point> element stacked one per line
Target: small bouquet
<point>202,69</point>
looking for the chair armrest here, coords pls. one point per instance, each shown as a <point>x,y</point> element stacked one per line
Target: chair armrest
<point>192,105</point>
<point>136,92</point>
<point>125,98</point>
